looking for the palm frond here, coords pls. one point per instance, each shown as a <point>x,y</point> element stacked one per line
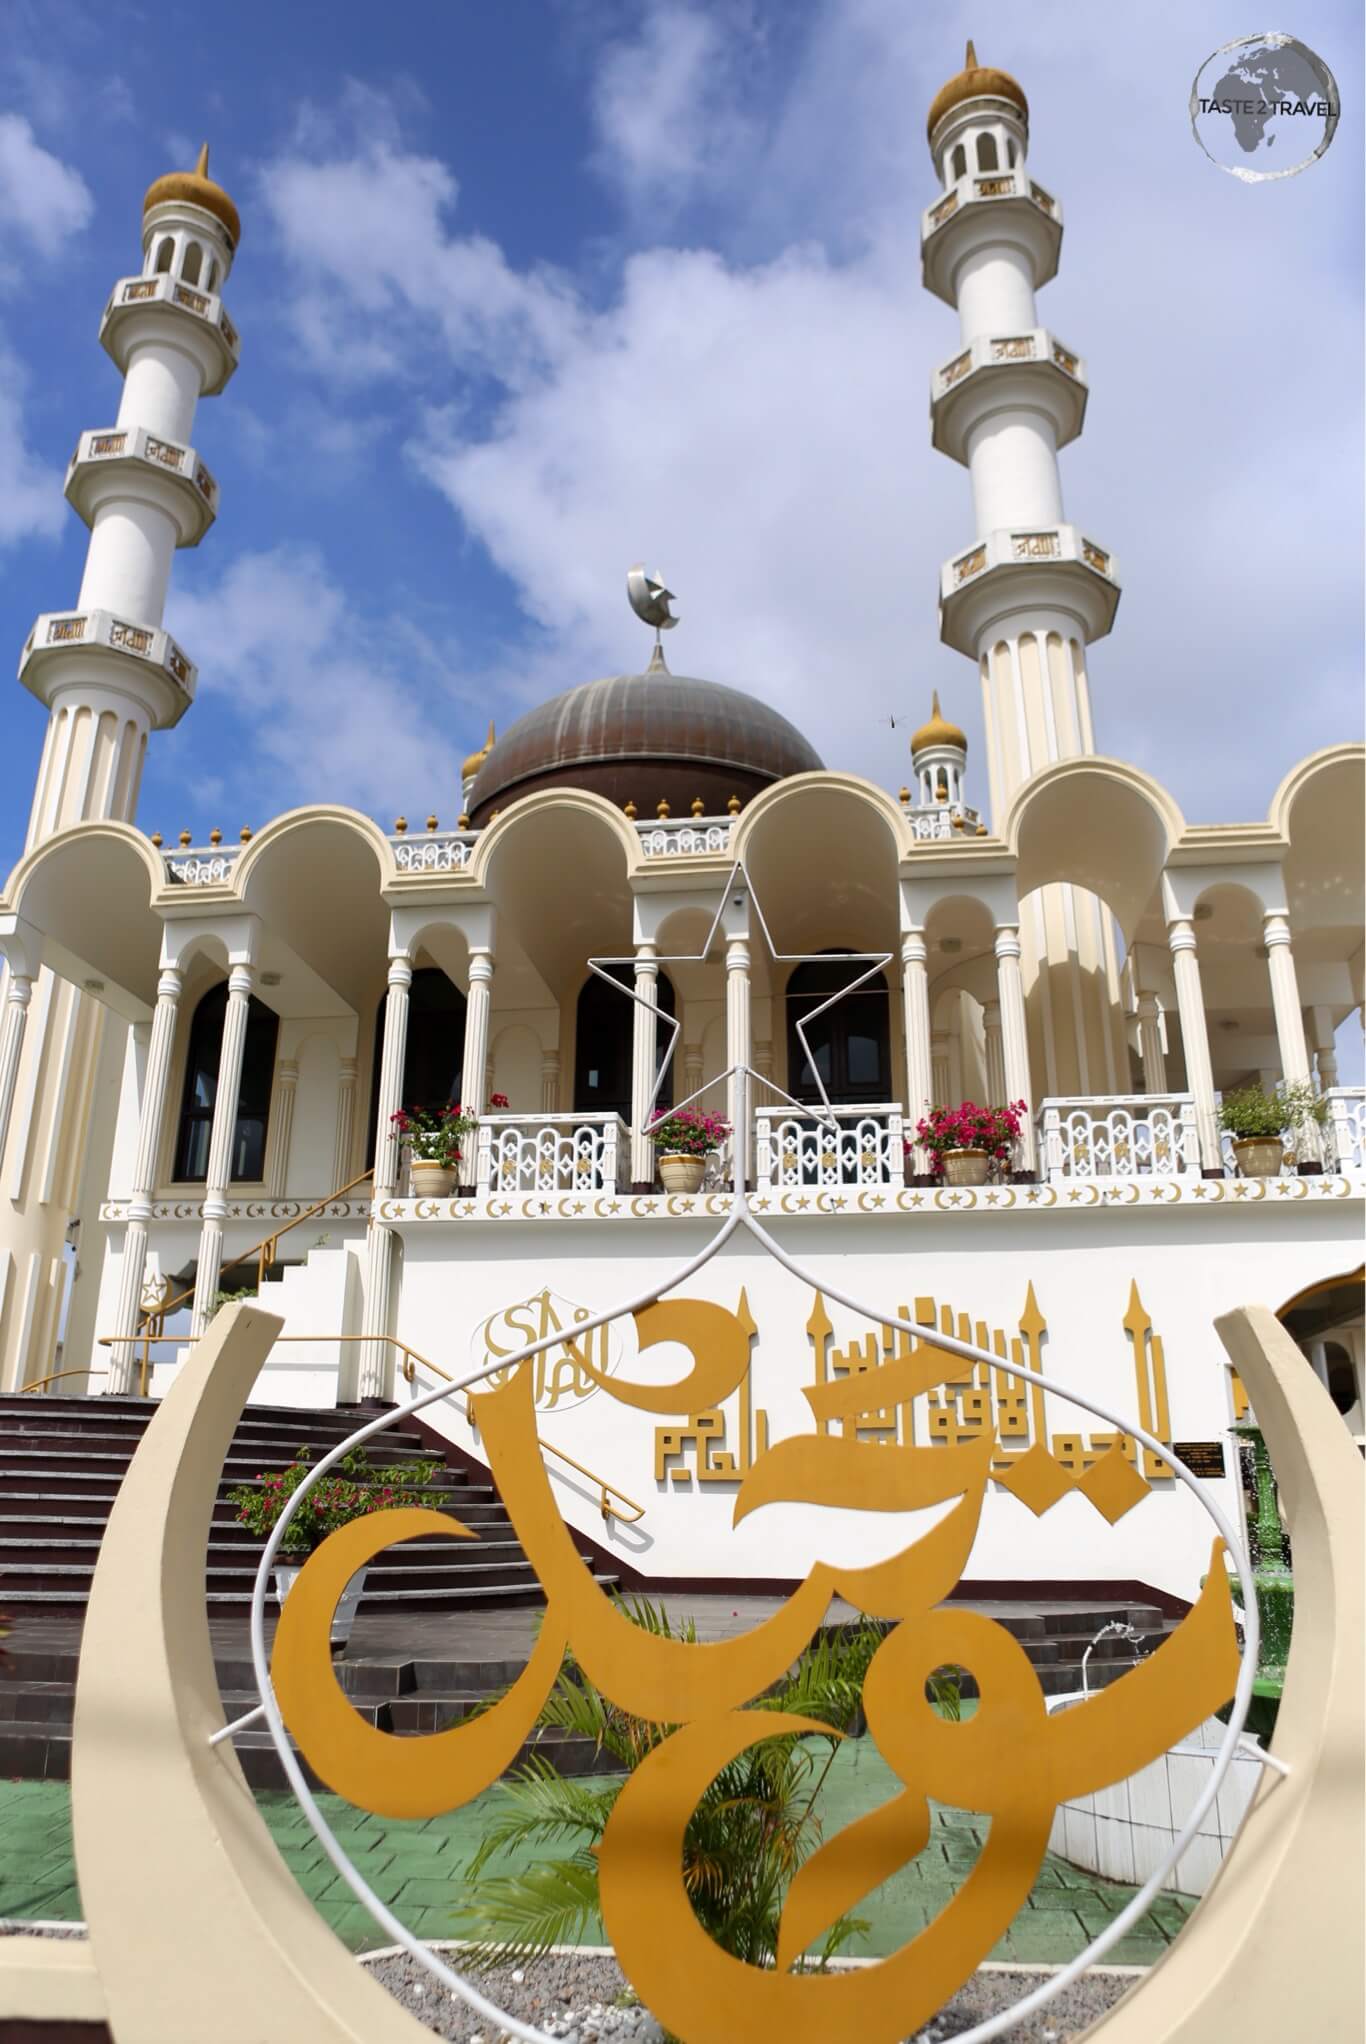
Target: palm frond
<point>521,1915</point>
<point>538,1806</point>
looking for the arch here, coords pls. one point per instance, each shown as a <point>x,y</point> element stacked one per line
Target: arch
<point>988,156</point>
<point>211,274</point>
<point>1318,811</point>
<point>433,1050</point>
<point>811,899</point>
<point>960,162</point>
<point>200,1091</point>
<point>316,877</point>
<point>165,256</point>
<point>1010,154</point>
<point>89,890</point>
<point>558,866</point>
<point>850,1043</point>
<point>604,1030</point>
<point>193,263</point>
<point>1099,823</point>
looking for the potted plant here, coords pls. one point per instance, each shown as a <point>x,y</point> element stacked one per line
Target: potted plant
<point>683,1142</point>
<point>352,1491</point>
<point>965,1141</point>
<point>1260,1121</point>
<point>432,1137</point>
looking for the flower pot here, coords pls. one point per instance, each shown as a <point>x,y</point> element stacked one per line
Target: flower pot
<point>432,1181</point>
<point>966,1167</point>
<point>1259,1156</point>
<point>681,1174</point>
<point>344,1617</point>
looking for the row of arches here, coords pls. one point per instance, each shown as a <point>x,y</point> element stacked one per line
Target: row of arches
<point>197,265</point>
<point>988,156</point>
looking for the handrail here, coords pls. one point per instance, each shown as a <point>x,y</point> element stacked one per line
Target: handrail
<point>606,1491</point>
<point>263,1251</point>
<point>85,1370</point>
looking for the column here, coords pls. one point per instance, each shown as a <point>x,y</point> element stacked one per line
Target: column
<point>346,1123</point>
<point>1150,1044</point>
<point>122,1356</point>
<point>550,1082</point>
<point>644,1054</point>
<point>996,1057</point>
<point>915,1001</point>
<point>282,1124</point>
<point>692,1070</point>
<point>13,1025</point>
<point>477,1012</point>
<point>1290,1039</point>
<point>376,1370</point>
<point>1014,1036</point>
<point>940,1083</point>
<point>221,1143</point>
<point>1190,1006</point>
<point>737,1030</point>
<point>1325,1048</point>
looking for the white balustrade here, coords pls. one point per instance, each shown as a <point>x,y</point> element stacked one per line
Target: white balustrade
<point>437,852</point>
<point>865,1147</point>
<point>551,1153</point>
<point>676,840</point>
<point>207,868</point>
<point>1132,1135</point>
<point>1345,1135</point>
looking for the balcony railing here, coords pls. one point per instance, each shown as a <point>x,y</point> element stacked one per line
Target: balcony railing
<point>1345,1134</point>
<point>865,1148</point>
<point>1131,1135</point>
<point>551,1153</point>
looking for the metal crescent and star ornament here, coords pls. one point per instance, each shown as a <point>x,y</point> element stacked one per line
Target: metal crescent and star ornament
<point>649,598</point>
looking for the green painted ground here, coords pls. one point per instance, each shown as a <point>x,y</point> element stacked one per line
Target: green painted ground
<point>416,1868</point>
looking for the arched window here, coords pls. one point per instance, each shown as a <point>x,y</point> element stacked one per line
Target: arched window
<point>1010,154</point>
<point>850,1043</point>
<point>164,256</point>
<point>211,275</point>
<point>189,269</point>
<point>987,159</point>
<point>434,1057</point>
<point>960,162</point>
<point>248,1161</point>
<point>602,1044</point>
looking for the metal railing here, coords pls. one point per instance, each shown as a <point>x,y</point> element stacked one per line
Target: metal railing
<point>796,1149</point>
<point>1124,1135</point>
<point>550,1153</point>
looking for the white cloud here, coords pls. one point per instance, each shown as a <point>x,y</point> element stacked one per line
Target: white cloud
<point>337,704</point>
<point>670,106</point>
<point>42,199</point>
<point>31,503</point>
<point>751,412</point>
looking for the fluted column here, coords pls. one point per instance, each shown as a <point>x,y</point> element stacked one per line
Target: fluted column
<point>550,1082</point>
<point>13,1025</point>
<point>1190,1006</point>
<point>1015,1037</point>
<point>376,1366</point>
<point>221,1141</point>
<point>644,1053</point>
<point>995,1050</point>
<point>1150,1044</point>
<point>1290,1037</point>
<point>737,1024</point>
<point>692,1069</point>
<point>282,1124</point>
<point>473,1093</point>
<point>940,1084</point>
<point>915,1001</point>
<point>346,1123</point>
<point>151,1121</point>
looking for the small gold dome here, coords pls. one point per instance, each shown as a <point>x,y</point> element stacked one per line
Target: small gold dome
<point>196,188</point>
<point>476,759</point>
<point>974,81</point>
<point>938,731</point>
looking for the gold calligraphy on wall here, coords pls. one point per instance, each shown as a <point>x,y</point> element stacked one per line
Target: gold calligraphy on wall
<point>972,1402</point>
<point>561,1375</point>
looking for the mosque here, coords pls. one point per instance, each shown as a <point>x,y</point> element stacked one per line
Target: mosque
<point>204,1044</point>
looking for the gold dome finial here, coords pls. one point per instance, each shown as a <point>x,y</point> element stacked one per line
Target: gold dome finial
<point>975,81</point>
<point>196,188</point>
<point>476,759</point>
<point>938,731</point>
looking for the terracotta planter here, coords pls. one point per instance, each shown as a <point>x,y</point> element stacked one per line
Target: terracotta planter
<point>681,1174</point>
<point>1259,1156</point>
<point>344,1617</point>
<point>432,1181</point>
<point>966,1167</point>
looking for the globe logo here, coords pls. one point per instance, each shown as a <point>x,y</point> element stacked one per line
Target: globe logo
<point>1264,107</point>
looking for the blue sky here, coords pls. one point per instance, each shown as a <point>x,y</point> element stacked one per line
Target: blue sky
<point>527,293</point>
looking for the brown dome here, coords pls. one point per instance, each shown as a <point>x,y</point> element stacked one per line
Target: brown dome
<point>645,738</point>
<point>975,81</point>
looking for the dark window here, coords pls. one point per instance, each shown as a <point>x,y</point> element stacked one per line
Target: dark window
<point>434,1057</point>
<point>987,158</point>
<point>960,162</point>
<point>602,1054</point>
<point>248,1161</point>
<point>850,1044</point>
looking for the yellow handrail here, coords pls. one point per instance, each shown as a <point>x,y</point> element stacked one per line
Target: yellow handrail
<point>263,1251</point>
<point>606,1491</point>
<point>38,1382</point>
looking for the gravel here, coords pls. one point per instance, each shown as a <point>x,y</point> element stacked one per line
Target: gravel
<point>582,1998</point>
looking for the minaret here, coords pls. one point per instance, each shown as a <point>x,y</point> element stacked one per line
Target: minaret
<point>110,674</point>
<point>1031,592</point>
<point>469,773</point>
<point>939,759</point>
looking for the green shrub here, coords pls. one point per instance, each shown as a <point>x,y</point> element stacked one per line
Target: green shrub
<point>1250,1113</point>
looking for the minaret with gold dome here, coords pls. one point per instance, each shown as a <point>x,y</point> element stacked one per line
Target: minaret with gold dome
<point>110,674</point>
<point>1031,591</point>
<point>469,773</point>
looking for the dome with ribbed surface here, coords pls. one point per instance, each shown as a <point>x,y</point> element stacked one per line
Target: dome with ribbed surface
<point>645,739</point>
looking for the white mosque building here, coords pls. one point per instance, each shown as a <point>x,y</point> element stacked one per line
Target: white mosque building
<point>203,1044</point>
